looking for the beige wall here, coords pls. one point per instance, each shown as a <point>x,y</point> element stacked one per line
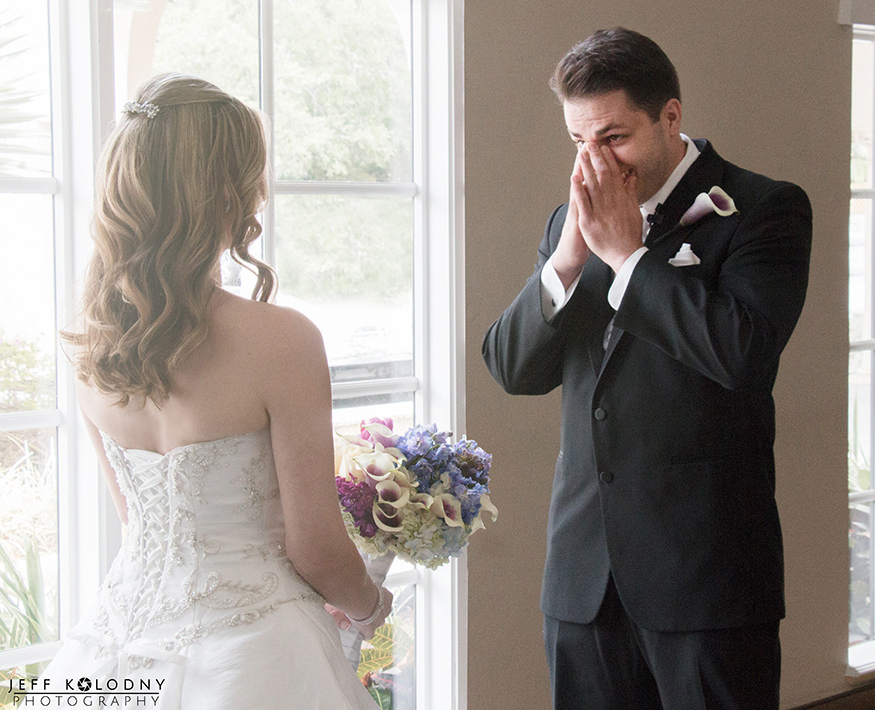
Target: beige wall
<point>768,83</point>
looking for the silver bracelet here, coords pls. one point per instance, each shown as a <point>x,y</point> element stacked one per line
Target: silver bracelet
<point>377,610</point>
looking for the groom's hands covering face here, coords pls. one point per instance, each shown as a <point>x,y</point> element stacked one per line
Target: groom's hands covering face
<point>605,200</point>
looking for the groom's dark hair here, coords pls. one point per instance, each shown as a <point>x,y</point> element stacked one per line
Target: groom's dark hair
<point>614,59</point>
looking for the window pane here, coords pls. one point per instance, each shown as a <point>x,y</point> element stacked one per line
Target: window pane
<point>350,413</point>
<point>27,304</point>
<point>25,125</point>
<point>343,90</point>
<point>860,479</point>
<point>860,270</point>
<point>388,666</point>
<point>238,279</point>
<point>860,542</point>
<point>347,263</point>
<point>216,40</point>
<point>10,695</point>
<point>862,114</point>
<point>28,538</point>
<point>859,420</point>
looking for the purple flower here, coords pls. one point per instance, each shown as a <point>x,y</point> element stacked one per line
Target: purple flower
<point>386,422</point>
<point>473,462</point>
<point>379,431</point>
<point>471,503</point>
<point>427,453</point>
<point>415,442</point>
<point>357,498</point>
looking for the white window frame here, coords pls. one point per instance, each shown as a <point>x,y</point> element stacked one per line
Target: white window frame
<point>83,113</point>
<point>79,499</point>
<point>861,656</point>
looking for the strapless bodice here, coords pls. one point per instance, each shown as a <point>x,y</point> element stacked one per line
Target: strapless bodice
<point>202,602</point>
<point>211,497</point>
<point>204,546</point>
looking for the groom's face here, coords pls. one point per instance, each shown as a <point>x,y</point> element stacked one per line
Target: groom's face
<point>642,147</point>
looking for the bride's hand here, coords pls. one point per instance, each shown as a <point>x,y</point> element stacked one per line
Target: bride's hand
<point>341,619</point>
<point>367,630</point>
<point>344,622</point>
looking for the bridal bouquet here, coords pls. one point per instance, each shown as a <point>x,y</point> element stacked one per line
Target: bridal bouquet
<point>413,494</point>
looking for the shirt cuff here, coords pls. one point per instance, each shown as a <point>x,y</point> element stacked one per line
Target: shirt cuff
<point>618,288</point>
<point>553,295</point>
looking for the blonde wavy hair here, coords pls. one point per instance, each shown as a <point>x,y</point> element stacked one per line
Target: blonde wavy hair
<point>174,190</point>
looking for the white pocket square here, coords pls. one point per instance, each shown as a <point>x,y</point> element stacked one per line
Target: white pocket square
<point>685,257</point>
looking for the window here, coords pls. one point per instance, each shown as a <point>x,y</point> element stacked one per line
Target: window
<point>31,408</point>
<point>363,228</point>
<point>336,80</point>
<point>861,439</point>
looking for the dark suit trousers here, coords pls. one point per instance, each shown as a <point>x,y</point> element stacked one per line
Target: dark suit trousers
<point>614,664</point>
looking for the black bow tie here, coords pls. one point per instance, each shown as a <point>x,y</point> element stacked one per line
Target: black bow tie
<point>656,217</point>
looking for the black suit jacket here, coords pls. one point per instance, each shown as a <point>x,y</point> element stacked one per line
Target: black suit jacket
<point>666,477</point>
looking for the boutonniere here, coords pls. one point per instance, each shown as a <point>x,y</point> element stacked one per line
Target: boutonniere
<point>715,200</point>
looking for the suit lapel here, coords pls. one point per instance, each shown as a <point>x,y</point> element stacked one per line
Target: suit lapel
<point>593,289</point>
<point>704,173</point>
<point>701,176</point>
<point>613,339</point>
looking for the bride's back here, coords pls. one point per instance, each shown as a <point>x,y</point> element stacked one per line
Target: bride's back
<point>164,356</point>
<point>221,389</point>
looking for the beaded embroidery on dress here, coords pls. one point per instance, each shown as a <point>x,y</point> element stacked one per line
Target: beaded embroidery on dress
<point>202,604</point>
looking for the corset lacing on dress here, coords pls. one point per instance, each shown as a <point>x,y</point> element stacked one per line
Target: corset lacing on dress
<point>203,551</point>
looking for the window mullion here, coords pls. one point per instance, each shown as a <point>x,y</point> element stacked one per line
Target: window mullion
<point>356,189</point>
<point>419,84</point>
<point>871,505</point>
<point>45,186</point>
<point>363,388</point>
<point>31,420</point>
<point>89,532</point>
<point>870,448</point>
<point>25,656</point>
<point>268,105</point>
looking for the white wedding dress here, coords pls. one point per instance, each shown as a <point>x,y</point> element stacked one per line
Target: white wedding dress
<point>202,600</point>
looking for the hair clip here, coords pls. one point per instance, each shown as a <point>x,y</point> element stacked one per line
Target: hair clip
<point>151,110</point>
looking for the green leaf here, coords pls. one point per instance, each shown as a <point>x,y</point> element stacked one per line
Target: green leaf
<point>384,637</point>
<point>382,697</point>
<point>22,617</point>
<point>374,660</point>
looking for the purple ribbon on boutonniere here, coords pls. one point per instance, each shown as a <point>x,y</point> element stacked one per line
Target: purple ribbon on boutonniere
<point>715,200</point>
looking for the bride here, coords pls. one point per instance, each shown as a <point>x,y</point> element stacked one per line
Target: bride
<point>211,417</point>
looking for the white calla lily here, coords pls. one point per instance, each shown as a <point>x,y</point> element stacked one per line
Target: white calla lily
<point>349,469</point>
<point>485,505</point>
<point>388,518</point>
<point>381,434</point>
<point>421,501</point>
<point>715,200</point>
<point>390,493</point>
<point>378,465</point>
<point>449,508</point>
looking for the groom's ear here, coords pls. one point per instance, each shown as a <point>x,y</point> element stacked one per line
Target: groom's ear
<point>670,117</point>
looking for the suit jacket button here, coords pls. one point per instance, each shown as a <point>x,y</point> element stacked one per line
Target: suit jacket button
<point>600,414</point>
<point>606,476</point>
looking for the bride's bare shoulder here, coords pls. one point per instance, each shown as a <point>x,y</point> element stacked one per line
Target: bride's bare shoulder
<point>282,353</point>
<point>274,331</point>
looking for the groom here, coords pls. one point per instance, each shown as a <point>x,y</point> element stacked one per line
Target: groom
<point>666,289</point>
